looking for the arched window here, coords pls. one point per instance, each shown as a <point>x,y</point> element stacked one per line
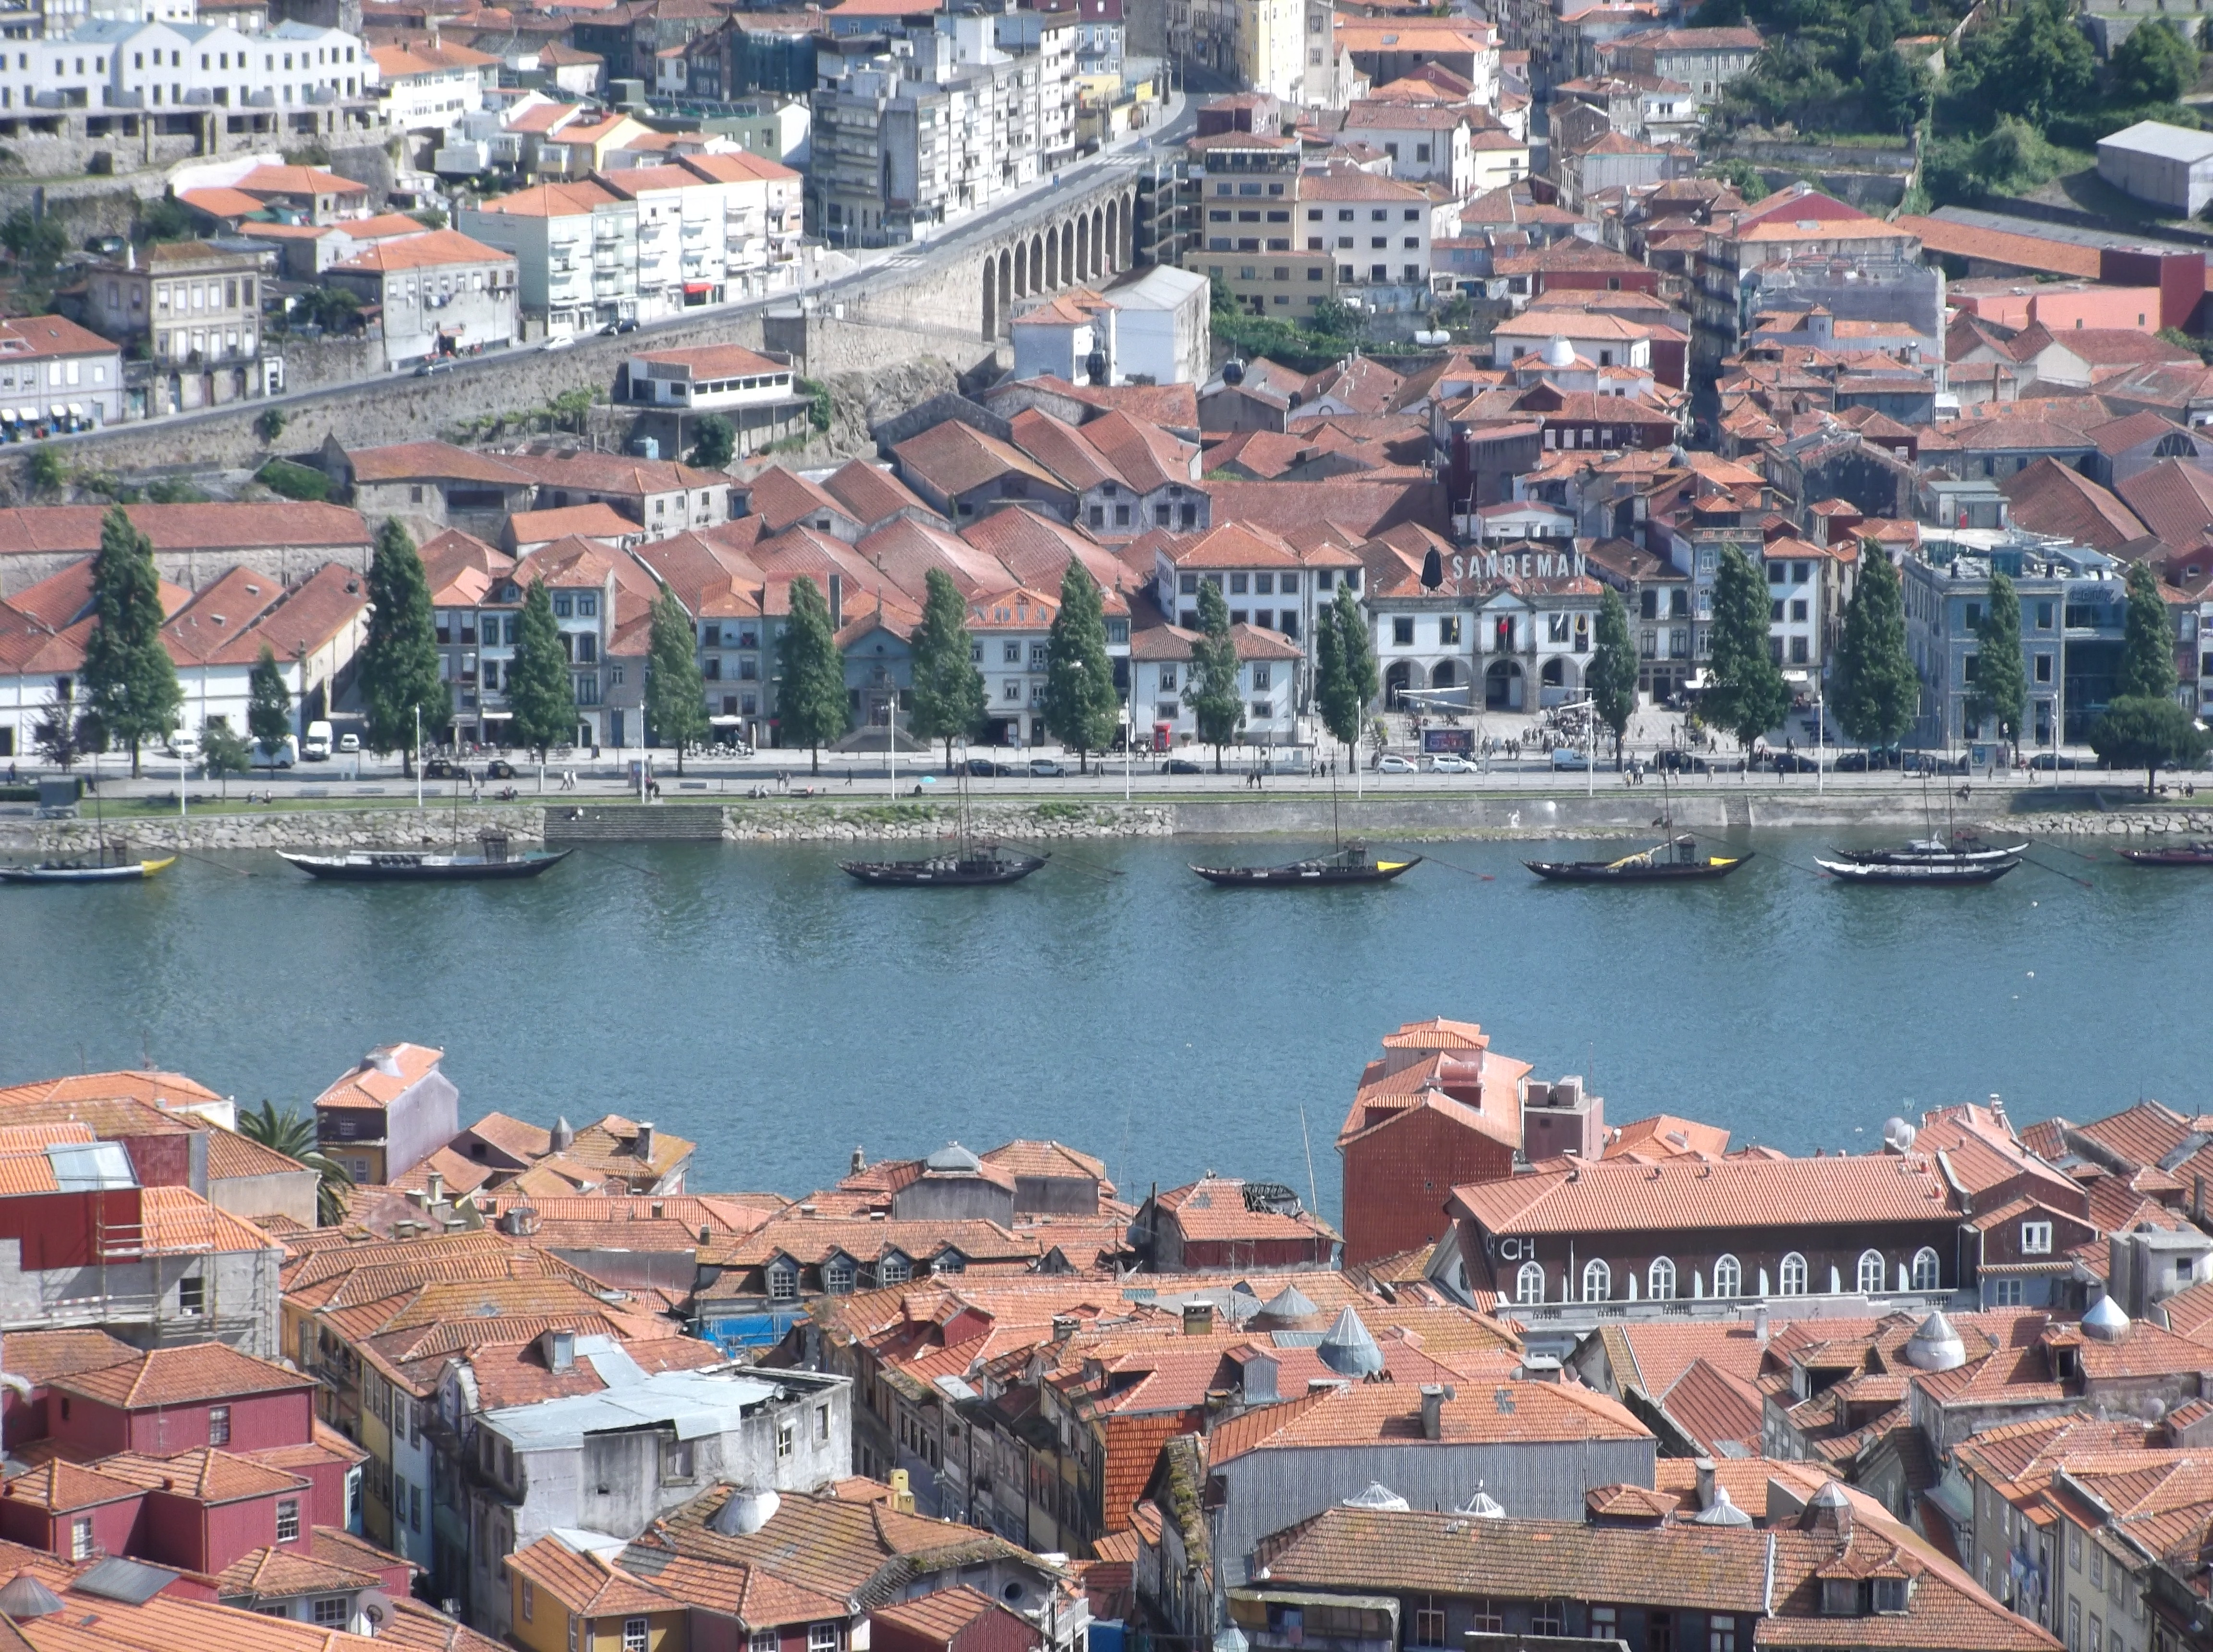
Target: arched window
<point>1598,1282</point>
<point>1660,1278</point>
<point>1794,1274</point>
<point>2177,446</point>
<point>1529,1283</point>
<point>1870,1273</point>
<point>1729,1277</point>
<point>1926,1269</point>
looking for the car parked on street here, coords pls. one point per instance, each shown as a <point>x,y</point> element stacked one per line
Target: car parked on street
<point>1182,766</point>
<point>984,767</point>
<point>349,745</point>
<point>1449,763</point>
<point>1392,763</point>
<point>1045,768</point>
<point>1567,758</point>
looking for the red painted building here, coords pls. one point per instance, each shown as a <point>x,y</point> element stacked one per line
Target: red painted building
<point>960,1620</point>
<point>1220,1221</point>
<point>1439,1109</point>
<point>175,1399</point>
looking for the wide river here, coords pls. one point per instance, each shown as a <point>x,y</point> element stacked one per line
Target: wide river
<point>757,1002</point>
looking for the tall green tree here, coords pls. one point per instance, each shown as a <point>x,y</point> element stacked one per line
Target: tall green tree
<point>1611,678</point>
<point>948,690</point>
<point>1345,712</point>
<point>2148,641</point>
<point>128,675</point>
<point>675,693</point>
<point>810,701</point>
<point>2001,691</point>
<point>539,693</point>
<point>399,671</point>
<point>223,751</point>
<point>2035,64</point>
<point>1081,706</point>
<point>293,1133</point>
<point>268,701</point>
<point>2155,65</point>
<point>2148,732</point>
<point>1216,701</point>
<point>1877,693</point>
<point>1746,694</point>
<point>1329,672</point>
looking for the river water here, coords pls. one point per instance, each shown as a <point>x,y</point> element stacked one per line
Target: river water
<point>755,1000</point>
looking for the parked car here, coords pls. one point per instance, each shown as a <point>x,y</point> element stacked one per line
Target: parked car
<point>499,769</point>
<point>1869,762</point>
<point>1182,766</point>
<point>2048,761</point>
<point>349,745</point>
<point>430,364</point>
<point>1796,763</point>
<point>1448,763</point>
<point>560,341</point>
<point>316,749</point>
<point>438,768</point>
<point>1933,763</point>
<point>984,766</point>
<point>1392,763</point>
<point>613,328</point>
<point>1566,757</point>
<point>1045,768</point>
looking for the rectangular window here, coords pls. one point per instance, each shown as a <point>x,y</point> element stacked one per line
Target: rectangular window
<point>218,1425</point>
<point>331,1612</point>
<point>764,1640</point>
<point>1720,1635</point>
<point>784,1440</point>
<point>633,1635</point>
<point>529,1600</point>
<point>2036,1239</point>
<point>2006,1292</point>
<point>81,1538</point>
<point>824,1638</point>
<point>288,1520</point>
<point>1402,632</point>
<point>1448,630</point>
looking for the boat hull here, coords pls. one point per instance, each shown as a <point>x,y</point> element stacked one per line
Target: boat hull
<point>1946,857</point>
<point>1303,874</point>
<point>1615,872</point>
<point>402,867</point>
<point>2188,857</point>
<point>1925,876</point>
<point>132,872</point>
<point>970,873</point>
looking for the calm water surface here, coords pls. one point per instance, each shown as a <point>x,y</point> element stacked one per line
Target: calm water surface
<point>757,1002</point>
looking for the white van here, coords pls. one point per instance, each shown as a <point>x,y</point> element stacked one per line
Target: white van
<point>283,755</point>
<point>184,743</point>
<point>317,746</point>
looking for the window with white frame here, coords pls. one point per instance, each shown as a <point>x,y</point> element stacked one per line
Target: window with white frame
<point>1793,1274</point>
<point>1598,1280</point>
<point>1660,1280</point>
<point>782,1280</point>
<point>331,1612</point>
<point>2036,1239</point>
<point>288,1520</point>
<point>1728,1277</point>
<point>1870,1273</point>
<point>81,1538</point>
<point>824,1638</point>
<point>1927,1270</point>
<point>764,1640</point>
<point>1529,1283</point>
<point>634,1635</point>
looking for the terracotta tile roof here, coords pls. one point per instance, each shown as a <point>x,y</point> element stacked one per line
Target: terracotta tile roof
<point>714,360</point>
<point>177,1376</point>
<point>1613,1196</point>
<point>232,1156</point>
<point>610,1145</point>
<point>1388,1413</point>
<point>1049,1159</point>
<point>816,1239</point>
<point>40,1356</point>
<point>203,1473</point>
<point>940,1616</point>
<point>61,529</point>
<point>2174,498</point>
<point>59,1486</point>
<point>419,1628</point>
<point>1214,1208</point>
<point>32,337</point>
<point>597,521</point>
<point>432,248</point>
<point>954,458</point>
<point>178,1221</point>
<point>1664,1135</point>
<point>370,1086</point>
<point>586,1584</point>
<point>275,1573</point>
<point>1745,1479</point>
<point>1716,1407</point>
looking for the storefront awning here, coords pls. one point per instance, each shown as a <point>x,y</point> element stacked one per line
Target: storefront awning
<point>694,288</point>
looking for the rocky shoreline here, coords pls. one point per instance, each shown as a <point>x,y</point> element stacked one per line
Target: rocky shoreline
<point>798,821</point>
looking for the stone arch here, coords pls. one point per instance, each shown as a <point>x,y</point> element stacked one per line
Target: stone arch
<point>1098,260</point>
<point>1396,681</point>
<point>1006,288</point>
<point>1035,279</point>
<point>1114,237</point>
<point>990,300</point>
<point>1056,257</point>
<point>1444,674</point>
<point>1082,271</point>
<point>1503,686</point>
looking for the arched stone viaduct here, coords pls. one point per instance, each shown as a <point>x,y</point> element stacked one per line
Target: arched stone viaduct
<point>975,284</point>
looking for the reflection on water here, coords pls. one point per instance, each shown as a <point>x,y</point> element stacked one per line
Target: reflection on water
<point>759,1002</point>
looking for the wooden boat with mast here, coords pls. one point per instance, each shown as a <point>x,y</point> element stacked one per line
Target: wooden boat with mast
<point>976,863</point>
<point>124,870</point>
<point>1676,861</point>
<point>2197,853</point>
<point>494,861</point>
<point>1349,863</point>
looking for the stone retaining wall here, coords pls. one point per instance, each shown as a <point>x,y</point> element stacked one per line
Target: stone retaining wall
<point>300,829</point>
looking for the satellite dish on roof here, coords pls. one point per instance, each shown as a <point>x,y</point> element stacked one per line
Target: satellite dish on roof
<point>375,1606</point>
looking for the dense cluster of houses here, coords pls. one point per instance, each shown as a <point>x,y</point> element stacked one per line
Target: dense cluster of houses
<point>1555,1377</point>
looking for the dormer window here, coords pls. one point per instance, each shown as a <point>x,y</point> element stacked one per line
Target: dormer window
<point>782,1280</point>
<point>894,1269</point>
<point>1840,1597</point>
<point>949,1261</point>
<point>1893,1594</point>
<point>2036,1239</point>
<point>837,1275</point>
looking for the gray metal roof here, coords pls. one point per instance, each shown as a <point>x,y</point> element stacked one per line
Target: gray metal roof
<point>117,1579</point>
<point>90,1167</point>
<point>2156,137</point>
<point>693,1403</point>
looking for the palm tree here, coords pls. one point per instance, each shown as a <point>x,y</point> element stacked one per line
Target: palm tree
<point>292,1133</point>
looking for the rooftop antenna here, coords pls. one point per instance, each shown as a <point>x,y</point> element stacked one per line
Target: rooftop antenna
<point>1314,1198</point>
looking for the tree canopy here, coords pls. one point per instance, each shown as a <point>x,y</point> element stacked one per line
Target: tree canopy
<point>1351,686</point>
<point>675,694</point>
<point>2001,690</point>
<point>2147,669</point>
<point>810,701</point>
<point>714,443</point>
<point>295,1134</point>
<point>129,678</point>
<point>1216,701</point>
<point>399,662</point>
<point>949,689</point>
<point>1611,678</point>
<point>539,696</point>
<point>1876,693</point>
<point>2141,732</point>
<point>1081,708</point>
<point>268,701</point>
<point>1746,693</point>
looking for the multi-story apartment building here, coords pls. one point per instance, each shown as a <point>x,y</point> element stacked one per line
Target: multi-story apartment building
<point>440,294</point>
<point>923,127</point>
<point>197,307</point>
<point>430,87</point>
<point>576,248</point>
<point>62,375</point>
<point>1261,44</point>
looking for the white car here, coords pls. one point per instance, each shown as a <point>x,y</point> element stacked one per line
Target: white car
<point>1446,763</point>
<point>184,743</point>
<point>349,744</point>
<point>1566,757</point>
<point>1392,763</point>
<point>561,341</point>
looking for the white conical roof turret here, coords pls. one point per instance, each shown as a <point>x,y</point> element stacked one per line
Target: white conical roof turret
<point>2105,1321</point>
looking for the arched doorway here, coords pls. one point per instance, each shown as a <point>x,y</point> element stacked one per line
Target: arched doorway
<point>1006,289</point>
<point>1445,674</point>
<point>1082,249</point>
<point>1114,237</point>
<point>1099,261</point>
<point>1556,681</point>
<point>1503,686</point>
<point>1396,681</point>
<point>990,300</point>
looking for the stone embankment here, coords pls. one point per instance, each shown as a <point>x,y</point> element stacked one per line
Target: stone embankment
<point>929,822</point>
<point>2137,823</point>
<point>307,831</point>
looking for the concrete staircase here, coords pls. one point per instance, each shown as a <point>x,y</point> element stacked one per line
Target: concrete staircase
<point>634,824</point>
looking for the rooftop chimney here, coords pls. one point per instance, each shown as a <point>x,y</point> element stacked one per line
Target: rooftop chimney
<point>559,1348</point>
<point>519,1220</point>
<point>1705,1468</point>
<point>645,1145</point>
<point>1433,1396</point>
<point>1760,1322</point>
<point>437,1179</point>
<point>1197,1319</point>
<point>860,1161</point>
<point>1063,1326</point>
<point>385,1059</point>
<point>563,1137</point>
